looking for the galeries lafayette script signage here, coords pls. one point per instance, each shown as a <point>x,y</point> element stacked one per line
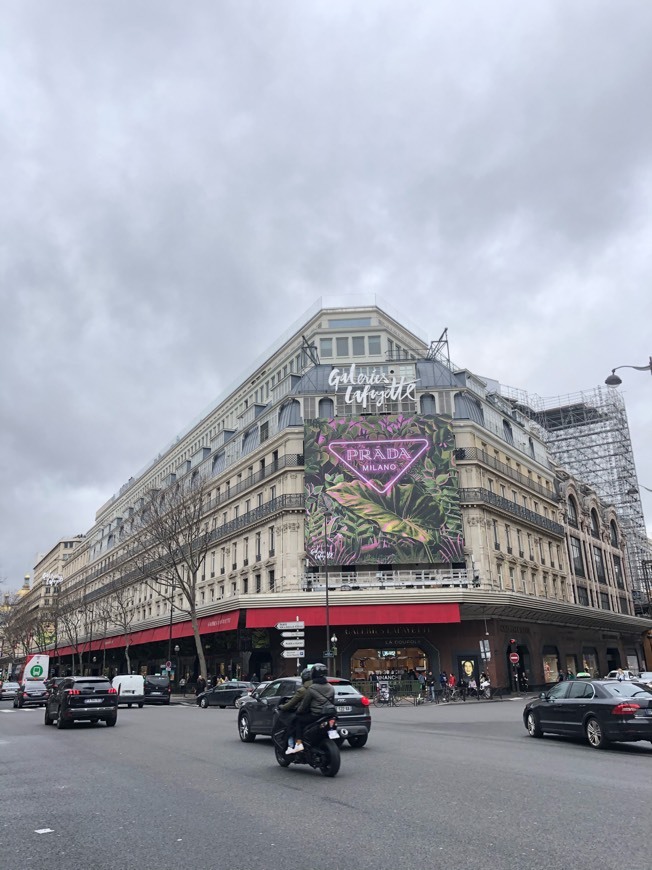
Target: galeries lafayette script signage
<point>371,388</point>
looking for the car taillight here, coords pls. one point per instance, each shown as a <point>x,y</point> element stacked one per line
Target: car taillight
<point>364,701</point>
<point>626,708</point>
<point>113,691</point>
<point>74,692</point>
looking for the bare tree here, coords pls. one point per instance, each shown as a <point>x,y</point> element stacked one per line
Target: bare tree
<point>118,609</point>
<point>169,547</point>
<point>73,622</point>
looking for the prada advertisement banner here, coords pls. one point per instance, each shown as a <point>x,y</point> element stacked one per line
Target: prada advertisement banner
<point>382,490</point>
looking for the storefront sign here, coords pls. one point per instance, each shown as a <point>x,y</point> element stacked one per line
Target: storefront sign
<point>373,388</point>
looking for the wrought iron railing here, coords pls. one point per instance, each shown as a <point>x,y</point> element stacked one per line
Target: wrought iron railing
<point>484,496</point>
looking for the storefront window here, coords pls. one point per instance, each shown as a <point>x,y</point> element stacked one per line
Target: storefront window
<point>590,662</point>
<point>550,664</point>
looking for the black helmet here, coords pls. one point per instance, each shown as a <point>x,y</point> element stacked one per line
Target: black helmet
<point>319,671</point>
<point>306,674</point>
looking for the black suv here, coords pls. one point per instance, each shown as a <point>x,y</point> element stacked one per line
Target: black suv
<point>157,689</point>
<point>85,699</point>
<point>256,714</point>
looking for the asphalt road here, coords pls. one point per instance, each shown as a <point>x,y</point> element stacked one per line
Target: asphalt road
<point>447,786</point>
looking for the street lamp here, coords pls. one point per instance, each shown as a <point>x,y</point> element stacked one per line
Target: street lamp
<point>334,642</point>
<point>327,517</point>
<point>614,381</point>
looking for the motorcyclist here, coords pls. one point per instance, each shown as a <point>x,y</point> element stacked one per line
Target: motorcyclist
<point>287,710</point>
<point>318,696</point>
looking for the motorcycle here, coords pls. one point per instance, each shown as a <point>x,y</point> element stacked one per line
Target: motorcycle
<point>320,744</point>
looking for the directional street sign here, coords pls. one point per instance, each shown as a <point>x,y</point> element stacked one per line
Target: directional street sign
<point>328,654</point>
<point>292,634</point>
<point>293,653</point>
<point>282,626</point>
<point>298,642</point>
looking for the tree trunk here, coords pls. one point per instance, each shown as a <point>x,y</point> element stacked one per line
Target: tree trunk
<point>128,659</point>
<point>198,644</point>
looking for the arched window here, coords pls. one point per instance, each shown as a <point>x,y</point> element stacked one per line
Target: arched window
<point>613,532</point>
<point>428,404</point>
<point>572,512</point>
<point>595,524</point>
<point>326,409</point>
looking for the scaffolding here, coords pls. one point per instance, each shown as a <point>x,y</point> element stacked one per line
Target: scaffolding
<point>588,434</point>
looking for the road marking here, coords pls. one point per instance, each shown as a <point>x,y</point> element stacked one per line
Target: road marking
<point>44,831</point>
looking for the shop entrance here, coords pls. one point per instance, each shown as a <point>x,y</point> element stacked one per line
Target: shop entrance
<point>391,663</point>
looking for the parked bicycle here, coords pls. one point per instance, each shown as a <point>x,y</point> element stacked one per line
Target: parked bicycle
<point>386,697</point>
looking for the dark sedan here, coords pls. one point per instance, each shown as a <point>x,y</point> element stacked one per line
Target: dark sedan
<point>224,695</point>
<point>255,717</point>
<point>31,693</point>
<point>602,711</point>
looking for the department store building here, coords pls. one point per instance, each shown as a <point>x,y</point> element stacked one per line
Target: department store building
<point>357,458</point>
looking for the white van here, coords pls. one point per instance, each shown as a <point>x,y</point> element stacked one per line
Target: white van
<point>130,689</point>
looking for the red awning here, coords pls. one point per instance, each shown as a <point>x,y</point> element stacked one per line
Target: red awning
<point>356,614</point>
<point>207,625</point>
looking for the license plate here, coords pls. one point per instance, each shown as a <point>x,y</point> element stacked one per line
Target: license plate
<point>333,734</point>
<point>93,700</point>
<point>156,693</point>
<point>344,709</point>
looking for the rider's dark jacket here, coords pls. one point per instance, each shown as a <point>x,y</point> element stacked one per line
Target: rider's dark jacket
<point>296,699</point>
<point>316,698</point>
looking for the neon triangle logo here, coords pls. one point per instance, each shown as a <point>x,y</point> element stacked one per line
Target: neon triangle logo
<point>380,464</point>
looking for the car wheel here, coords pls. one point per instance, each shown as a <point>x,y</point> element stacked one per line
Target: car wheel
<point>222,706</point>
<point>129,706</point>
<point>358,741</point>
<point>595,734</point>
<point>203,703</point>
<point>110,722</point>
<point>244,729</point>
<point>533,727</point>
<point>140,706</point>
<point>48,719</point>
<point>61,722</point>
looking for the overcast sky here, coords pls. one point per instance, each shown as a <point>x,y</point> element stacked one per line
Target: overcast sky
<point>179,181</point>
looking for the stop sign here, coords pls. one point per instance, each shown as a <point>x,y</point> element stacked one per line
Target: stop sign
<point>514,658</point>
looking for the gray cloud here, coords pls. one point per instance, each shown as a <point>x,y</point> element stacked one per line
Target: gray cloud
<point>178,183</point>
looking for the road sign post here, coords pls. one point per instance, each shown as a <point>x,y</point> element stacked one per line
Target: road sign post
<point>293,653</point>
<point>287,626</point>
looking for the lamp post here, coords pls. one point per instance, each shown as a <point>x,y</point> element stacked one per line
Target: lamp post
<point>614,381</point>
<point>327,517</point>
<point>176,657</point>
<point>334,642</point>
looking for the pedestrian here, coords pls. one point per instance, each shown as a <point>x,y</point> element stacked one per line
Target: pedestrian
<point>201,685</point>
<point>560,677</point>
<point>570,675</point>
<point>431,682</point>
<point>182,686</point>
<point>443,680</point>
<point>451,681</point>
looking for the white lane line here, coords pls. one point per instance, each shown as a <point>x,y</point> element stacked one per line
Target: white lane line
<point>44,831</point>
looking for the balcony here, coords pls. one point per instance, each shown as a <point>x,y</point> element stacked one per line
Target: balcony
<point>485,497</point>
<point>457,578</point>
